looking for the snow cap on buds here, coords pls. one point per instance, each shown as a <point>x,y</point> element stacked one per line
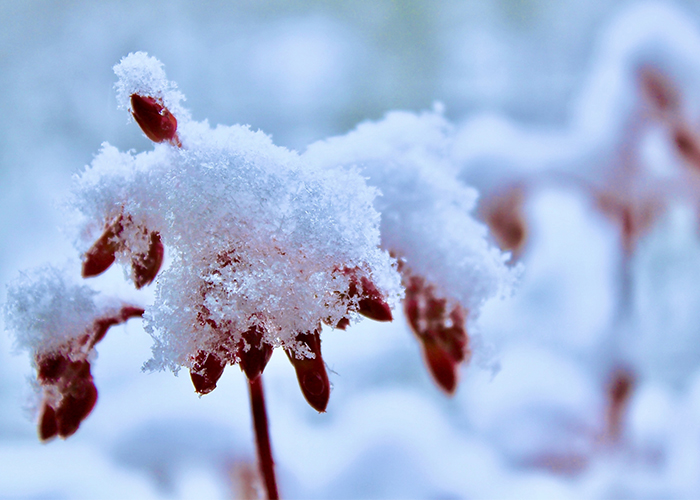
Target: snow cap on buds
<point>257,237</point>
<point>426,211</point>
<point>60,324</point>
<point>45,309</point>
<point>142,75</point>
<point>448,265</point>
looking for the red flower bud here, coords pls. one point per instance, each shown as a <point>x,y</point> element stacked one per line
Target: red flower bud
<point>206,371</point>
<point>659,90</point>
<point>76,406</point>
<point>254,360</point>
<point>69,391</point>
<point>620,387</point>
<point>51,368</point>
<point>154,119</point>
<point>343,324</point>
<point>442,365</point>
<point>102,253</point>
<point>311,372</point>
<point>371,304</point>
<point>48,424</point>
<point>503,211</point>
<point>443,336</point>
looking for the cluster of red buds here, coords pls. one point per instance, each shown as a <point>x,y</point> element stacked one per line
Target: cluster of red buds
<point>103,253</point>
<point>440,328</point>
<point>69,393</point>
<point>251,352</point>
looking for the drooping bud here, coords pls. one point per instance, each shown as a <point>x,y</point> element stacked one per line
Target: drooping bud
<point>69,393</point>
<point>76,405</point>
<point>504,214</point>
<point>102,253</point>
<point>78,395</point>
<point>258,353</point>
<point>619,392</point>
<point>634,217</point>
<point>442,334</point>
<point>311,372</point>
<point>659,90</point>
<point>155,120</point>
<point>206,371</point>
<point>371,303</point>
<point>343,324</point>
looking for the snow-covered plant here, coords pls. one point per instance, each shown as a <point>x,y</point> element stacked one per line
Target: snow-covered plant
<point>447,263</point>
<point>259,247</point>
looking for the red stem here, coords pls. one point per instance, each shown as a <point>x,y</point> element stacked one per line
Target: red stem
<point>262,436</point>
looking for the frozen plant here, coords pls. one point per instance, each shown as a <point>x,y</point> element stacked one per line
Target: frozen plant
<point>448,265</point>
<point>263,246</point>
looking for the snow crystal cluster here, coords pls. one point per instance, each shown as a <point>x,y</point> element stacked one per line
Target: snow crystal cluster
<point>426,219</point>
<point>45,309</point>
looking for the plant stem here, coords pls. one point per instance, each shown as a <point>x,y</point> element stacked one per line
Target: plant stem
<point>262,436</point>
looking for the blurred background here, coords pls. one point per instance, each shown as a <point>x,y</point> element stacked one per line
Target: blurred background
<point>528,418</point>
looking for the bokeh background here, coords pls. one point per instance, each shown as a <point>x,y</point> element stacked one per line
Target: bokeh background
<point>527,418</point>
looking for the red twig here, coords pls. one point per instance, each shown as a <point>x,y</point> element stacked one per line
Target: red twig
<point>262,436</point>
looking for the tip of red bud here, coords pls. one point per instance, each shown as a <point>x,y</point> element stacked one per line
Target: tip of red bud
<point>441,331</point>
<point>371,304</point>
<point>442,365</point>
<point>206,371</point>
<point>343,324</point>
<point>101,254</point>
<point>155,120</point>
<point>620,388</point>
<point>254,360</point>
<point>311,373</point>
